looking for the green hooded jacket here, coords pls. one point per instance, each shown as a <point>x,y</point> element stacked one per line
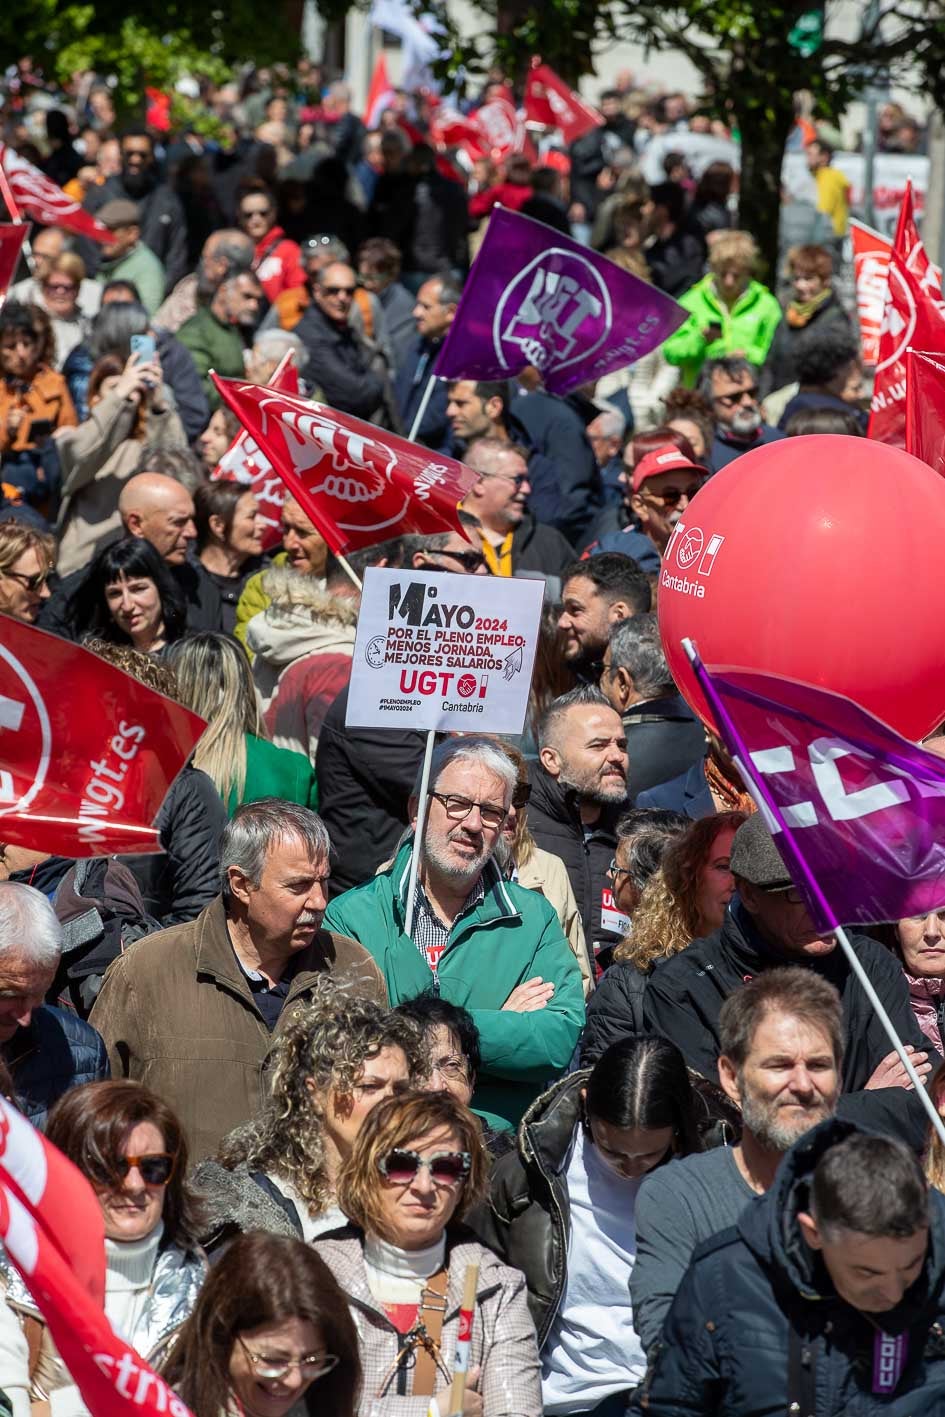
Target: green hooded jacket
<point>747,327</point>
<point>508,937</point>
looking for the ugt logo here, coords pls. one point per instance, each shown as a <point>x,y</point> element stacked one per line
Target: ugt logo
<point>557,310</point>
<point>23,718</point>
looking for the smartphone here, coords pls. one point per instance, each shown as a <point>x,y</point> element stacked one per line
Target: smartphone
<point>145,347</point>
<point>40,430</point>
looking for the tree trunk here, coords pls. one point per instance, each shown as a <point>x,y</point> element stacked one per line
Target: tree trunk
<point>763,135</point>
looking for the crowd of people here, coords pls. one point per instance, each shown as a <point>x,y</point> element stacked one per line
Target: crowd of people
<point>611,1065</point>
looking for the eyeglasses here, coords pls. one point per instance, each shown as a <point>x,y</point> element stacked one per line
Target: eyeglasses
<point>672,496</point>
<point>59,288</point>
<point>156,1168</point>
<point>613,870</point>
<point>446,1168</point>
<point>459,808</point>
<point>453,1068</point>
<point>733,400</point>
<point>277,1369</point>
<point>519,478</point>
<point>788,894</point>
<point>31,583</point>
<point>338,290</point>
<point>469,560</point>
<point>315,243</point>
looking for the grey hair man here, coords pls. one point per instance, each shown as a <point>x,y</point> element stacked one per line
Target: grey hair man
<point>482,942</point>
<point>47,1050</point>
<point>782,1054</point>
<point>664,738</point>
<point>193,1013</point>
<point>226,253</point>
<point>731,386</point>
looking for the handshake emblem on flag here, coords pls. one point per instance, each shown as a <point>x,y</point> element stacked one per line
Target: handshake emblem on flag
<point>553,313</point>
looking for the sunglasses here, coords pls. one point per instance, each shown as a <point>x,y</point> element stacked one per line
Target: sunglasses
<point>469,560</point>
<point>672,496</point>
<point>446,1168</point>
<point>338,290</point>
<point>312,243</point>
<point>274,1369</point>
<point>31,583</point>
<point>59,288</point>
<point>156,1168</point>
<point>732,400</point>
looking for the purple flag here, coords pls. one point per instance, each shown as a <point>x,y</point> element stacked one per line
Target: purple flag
<point>536,297</point>
<point>858,812</point>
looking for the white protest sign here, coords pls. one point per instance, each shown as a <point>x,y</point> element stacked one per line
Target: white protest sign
<point>443,652</point>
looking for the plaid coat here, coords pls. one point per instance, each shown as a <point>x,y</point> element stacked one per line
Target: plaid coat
<point>503,1335</point>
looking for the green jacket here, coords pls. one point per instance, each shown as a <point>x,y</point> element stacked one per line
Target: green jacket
<point>253,601</point>
<point>275,772</point>
<point>747,327</point>
<point>143,269</point>
<point>213,345</point>
<point>510,936</point>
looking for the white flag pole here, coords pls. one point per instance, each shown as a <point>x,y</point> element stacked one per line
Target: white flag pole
<point>418,416</point>
<point>762,794</point>
<point>418,830</point>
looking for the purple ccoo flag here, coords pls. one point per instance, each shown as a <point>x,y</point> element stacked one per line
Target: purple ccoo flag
<point>536,297</point>
<point>857,811</point>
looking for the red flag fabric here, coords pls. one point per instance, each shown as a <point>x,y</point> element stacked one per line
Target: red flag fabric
<point>41,199</point>
<point>244,461</point>
<point>380,93</point>
<point>503,130</point>
<point>914,315</point>
<point>549,101</point>
<point>44,1229</point>
<point>12,236</point>
<point>925,407</point>
<point>358,483</point>
<point>87,753</point>
<point>871,274</point>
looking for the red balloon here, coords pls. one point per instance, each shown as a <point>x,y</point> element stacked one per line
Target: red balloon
<point>819,559</point>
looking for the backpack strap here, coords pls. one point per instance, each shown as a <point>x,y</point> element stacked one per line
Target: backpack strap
<point>802,1390</point>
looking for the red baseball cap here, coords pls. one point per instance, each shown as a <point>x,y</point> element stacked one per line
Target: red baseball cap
<point>667,459</point>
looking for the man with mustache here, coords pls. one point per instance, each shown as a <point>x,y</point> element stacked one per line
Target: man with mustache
<point>782,1051</point>
<point>579,789</point>
<point>192,1011</point>
<point>476,939</point>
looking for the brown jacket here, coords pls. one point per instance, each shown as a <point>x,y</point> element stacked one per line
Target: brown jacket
<point>177,1014</point>
<point>47,397</point>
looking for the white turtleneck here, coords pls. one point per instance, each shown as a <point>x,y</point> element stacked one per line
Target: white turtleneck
<point>396,1277</point>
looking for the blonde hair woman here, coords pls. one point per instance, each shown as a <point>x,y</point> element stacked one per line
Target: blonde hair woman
<point>214,679</point>
<point>26,558</point>
<point>729,311</point>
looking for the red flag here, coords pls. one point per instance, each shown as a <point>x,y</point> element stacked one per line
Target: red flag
<point>549,101</point>
<point>358,483</point>
<point>77,780</point>
<point>12,236</point>
<point>914,315</point>
<point>35,194</point>
<point>871,274</point>
<point>51,1226</point>
<point>244,461</point>
<point>503,130</point>
<point>925,407</point>
<point>380,93</point>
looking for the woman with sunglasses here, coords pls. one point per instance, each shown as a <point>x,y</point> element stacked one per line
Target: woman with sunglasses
<point>560,1208</point>
<point>417,1167</point>
<point>339,1057</point>
<point>270,1333</point>
<point>131,1149</point>
<point>26,559</point>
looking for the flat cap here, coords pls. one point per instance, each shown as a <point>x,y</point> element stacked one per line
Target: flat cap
<point>755,858</point>
<point>119,212</point>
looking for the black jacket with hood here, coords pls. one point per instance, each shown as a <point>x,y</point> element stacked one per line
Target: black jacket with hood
<point>757,1326</point>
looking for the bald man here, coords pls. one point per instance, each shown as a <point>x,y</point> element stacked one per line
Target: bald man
<point>159,510</point>
<point>511,538</point>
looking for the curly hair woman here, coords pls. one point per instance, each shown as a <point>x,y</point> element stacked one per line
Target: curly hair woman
<point>683,901</point>
<point>341,1055</point>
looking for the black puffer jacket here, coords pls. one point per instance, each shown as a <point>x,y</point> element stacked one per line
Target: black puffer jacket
<point>554,820</point>
<point>614,1010</point>
<point>340,365</point>
<point>55,1052</point>
<point>757,1327</point>
<point>163,224</point>
<point>176,886</point>
<point>526,1218</point>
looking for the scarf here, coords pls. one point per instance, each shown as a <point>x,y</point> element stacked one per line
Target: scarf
<point>732,798</point>
<point>799,313</point>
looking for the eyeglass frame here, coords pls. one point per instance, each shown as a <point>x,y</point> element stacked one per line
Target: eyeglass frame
<point>285,1366</point>
<point>426,1163</point>
<point>470,560</point>
<point>31,583</point>
<point>133,1163</point>
<point>451,1068</point>
<point>444,797</point>
<point>613,870</point>
<point>786,891</point>
<point>671,496</point>
<point>732,400</point>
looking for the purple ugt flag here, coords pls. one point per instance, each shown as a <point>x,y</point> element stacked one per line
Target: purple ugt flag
<point>536,297</point>
<point>858,812</point>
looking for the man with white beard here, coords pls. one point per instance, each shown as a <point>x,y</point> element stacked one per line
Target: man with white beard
<point>782,1051</point>
<point>579,789</point>
<point>476,939</point>
<point>192,1011</point>
<point>730,386</point>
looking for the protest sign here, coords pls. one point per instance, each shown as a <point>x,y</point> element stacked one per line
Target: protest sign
<point>87,753</point>
<point>443,652</point>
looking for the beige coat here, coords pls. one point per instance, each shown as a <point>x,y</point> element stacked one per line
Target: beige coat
<point>97,458</point>
<point>546,873</point>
